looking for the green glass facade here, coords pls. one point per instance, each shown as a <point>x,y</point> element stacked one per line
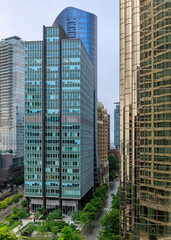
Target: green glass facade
<point>58,120</point>
<point>33,120</point>
<point>77,122</point>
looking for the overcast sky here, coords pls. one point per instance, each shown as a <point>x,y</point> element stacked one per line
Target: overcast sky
<point>25,19</point>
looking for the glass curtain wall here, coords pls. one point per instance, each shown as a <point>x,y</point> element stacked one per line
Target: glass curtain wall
<point>79,24</point>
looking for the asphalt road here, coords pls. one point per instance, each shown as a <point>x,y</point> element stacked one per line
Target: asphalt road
<point>93,233</point>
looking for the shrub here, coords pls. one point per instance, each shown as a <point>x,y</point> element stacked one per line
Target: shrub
<point>43,217</point>
<point>9,236</point>
<point>30,229</point>
<point>20,195</point>
<point>55,215</point>
<point>52,226</point>
<point>8,201</point>
<point>41,210</point>
<point>15,198</point>
<point>3,205</point>
<point>75,216</point>
<point>37,214</point>
<point>23,203</point>
<point>15,210</point>
<point>3,229</point>
<point>14,217</point>
<point>23,213</point>
<point>55,230</point>
<point>46,226</point>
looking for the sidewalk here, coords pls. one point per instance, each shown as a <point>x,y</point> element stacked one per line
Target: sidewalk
<point>24,222</point>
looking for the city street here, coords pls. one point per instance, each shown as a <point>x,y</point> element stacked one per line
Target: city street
<point>93,232</point>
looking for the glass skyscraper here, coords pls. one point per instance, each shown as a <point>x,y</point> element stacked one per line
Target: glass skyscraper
<point>155,117</point>
<point>117,126</point>
<point>145,116</point>
<point>11,96</point>
<point>58,121</point>
<point>79,24</point>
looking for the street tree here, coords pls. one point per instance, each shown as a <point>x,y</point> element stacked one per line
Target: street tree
<point>68,233</point>
<point>97,203</point>
<point>88,214</point>
<point>110,222</point>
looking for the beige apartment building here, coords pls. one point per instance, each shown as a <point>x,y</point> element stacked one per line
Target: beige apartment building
<point>103,126</point>
<point>145,118</point>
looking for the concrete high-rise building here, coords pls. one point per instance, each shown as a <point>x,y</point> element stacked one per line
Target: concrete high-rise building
<point>117,126</point>
<point>145,106</point>
<point>58,122</point>
<point>12,96</point>
<point>103,142</point>
<point>79,24</point>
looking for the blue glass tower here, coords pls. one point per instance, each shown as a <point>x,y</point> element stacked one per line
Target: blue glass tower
<point>117,126</point>
<point>79,24</point>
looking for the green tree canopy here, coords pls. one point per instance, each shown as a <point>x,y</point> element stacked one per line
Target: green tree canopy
<point>3,205</point>
<point>8,200</point>
<point>18,180</point>
<point>15,210</point>
<point>7,236</point>
<point>88,214</point>
<point>20,195</point>
<point>23,203</point>
<point>113,165</point>
<point>68,233</point>
<point>15,198</point>
<point>97,202</point>
<point>101,192</point>
<point>75,216</point>
<point>23,213</point>
<point>41,210</point>
<point>110,222</point>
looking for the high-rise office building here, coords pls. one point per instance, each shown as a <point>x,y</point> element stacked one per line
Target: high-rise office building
<point>145,104</point>
<point>155,117</point>
<point>79,24</point>
<point>12,96</point>
<point>58,122</point>
<point>108,115</point>
<point>103,142</point>
<point>129,73</point>
<point>117,126</point>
